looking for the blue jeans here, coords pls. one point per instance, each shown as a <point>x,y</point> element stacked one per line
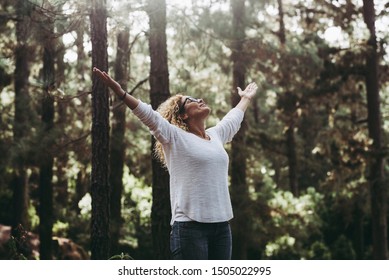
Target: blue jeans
<point>201,241</point>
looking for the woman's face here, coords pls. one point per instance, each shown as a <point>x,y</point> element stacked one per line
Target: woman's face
<point>194,107</point>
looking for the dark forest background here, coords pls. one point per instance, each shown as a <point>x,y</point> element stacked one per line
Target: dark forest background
<point>308,169</point>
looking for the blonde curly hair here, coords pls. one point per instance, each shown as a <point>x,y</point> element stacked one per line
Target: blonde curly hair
<point>169,110</point>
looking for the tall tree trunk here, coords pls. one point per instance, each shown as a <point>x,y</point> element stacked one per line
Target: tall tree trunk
<point>239,190</point>
<point>159,92</point>
<point>377,181</point>
<point>358,228</point>
<point>61,190</point>
<point>22,116</point>
<point>82,185</point>
<point>79,43</point>
<point>46,155</point>
<point>117,141</point>
<point>290,109</point>
<point>292,158</point>
<point>100,136</point>
<point>281,31</point>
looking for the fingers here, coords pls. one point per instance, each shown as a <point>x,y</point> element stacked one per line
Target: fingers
<point>98,72</point>
<point>253,86</point>
<point>250,90</point>
<point>102,74</point>
<point>106,79</point>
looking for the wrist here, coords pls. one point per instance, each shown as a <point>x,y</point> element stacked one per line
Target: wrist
<point>246,97</point>
<point>123,96</point>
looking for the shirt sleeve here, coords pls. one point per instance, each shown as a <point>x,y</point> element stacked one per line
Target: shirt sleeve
<point>229,125</point>
<point>159,127</point>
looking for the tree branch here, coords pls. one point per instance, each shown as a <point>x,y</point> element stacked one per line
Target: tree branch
<point>131,92</point>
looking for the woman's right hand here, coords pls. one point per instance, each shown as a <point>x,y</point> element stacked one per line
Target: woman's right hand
<point>129,100</point>
<point>115,86</point>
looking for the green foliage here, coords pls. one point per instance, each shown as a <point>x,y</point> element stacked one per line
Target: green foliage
<point>18,246</point>
<point>60,228</point>
<point>33,217</point>
<point>343,249</point>
<point>319,251</point>
<point>13,252</point>
<point>136,212</point>
<point>296,225</point>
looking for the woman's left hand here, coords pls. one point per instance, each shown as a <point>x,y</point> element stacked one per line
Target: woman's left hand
<point>249,91</point>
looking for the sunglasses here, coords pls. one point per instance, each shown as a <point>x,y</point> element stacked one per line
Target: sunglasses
<point>190,99</point>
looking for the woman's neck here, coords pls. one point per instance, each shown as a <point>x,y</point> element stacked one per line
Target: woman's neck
<point>197,128</point>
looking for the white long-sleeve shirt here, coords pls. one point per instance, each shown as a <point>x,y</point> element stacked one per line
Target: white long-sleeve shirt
<point>198,168</point>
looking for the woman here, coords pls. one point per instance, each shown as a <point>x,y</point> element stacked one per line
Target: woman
<point>198,168</point>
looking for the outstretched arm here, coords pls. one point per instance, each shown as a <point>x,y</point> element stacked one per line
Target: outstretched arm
<point>129,100</point>
<point>231,122</point>
<point>161,129</point>
<point>246,96</point>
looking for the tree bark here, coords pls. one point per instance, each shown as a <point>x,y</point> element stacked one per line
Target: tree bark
<point>289,107</point>
<point>281,31</point>
<point>159,92</point>
<point>117,141</point>
<point>21,124</point>
<point>377,181</point>
<point>61,188</point>
<point>46,155</point>
<point>292,158</point>
<point>100,191</point>
<point>79,43</point>
<point>239,190</point>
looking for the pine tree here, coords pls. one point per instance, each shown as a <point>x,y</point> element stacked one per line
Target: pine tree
<point>100,191</point>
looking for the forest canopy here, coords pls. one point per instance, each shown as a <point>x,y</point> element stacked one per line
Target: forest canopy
<point>308,171</point>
